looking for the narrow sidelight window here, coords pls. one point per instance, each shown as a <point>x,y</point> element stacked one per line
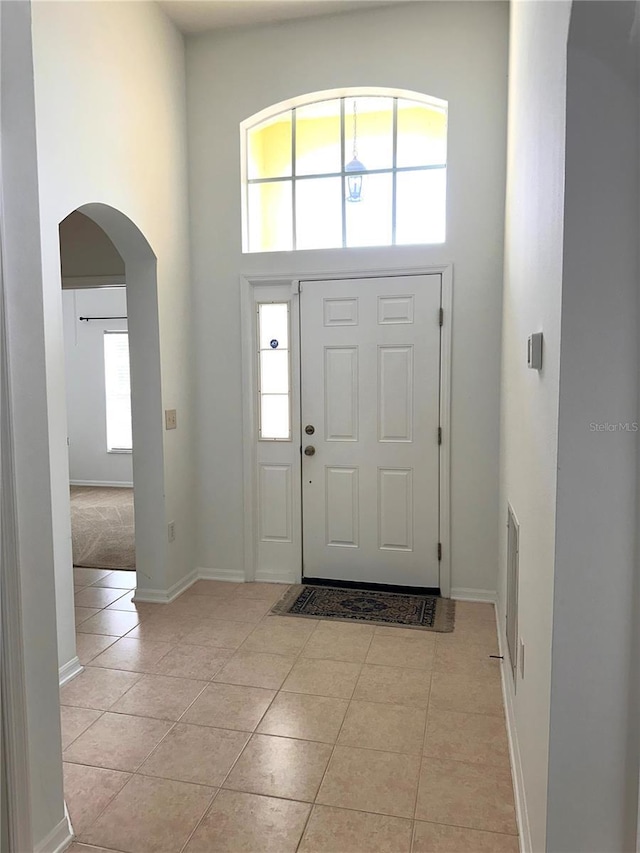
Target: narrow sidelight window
<point>274,371</point>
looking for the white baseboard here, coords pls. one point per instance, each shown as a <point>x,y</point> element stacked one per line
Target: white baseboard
<point>154,596</point>
<point>461,593</point>
<point>517,774</point>
<point>59,838</point>
<point>112,484</point>
<point>233,575</point>
<point>69,670</point>
<point>275,577</point>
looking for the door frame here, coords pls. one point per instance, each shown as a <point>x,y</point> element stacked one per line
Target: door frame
<point>254,284</point>
<point>13,697</point>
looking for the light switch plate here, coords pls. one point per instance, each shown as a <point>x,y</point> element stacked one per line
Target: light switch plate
<point>534,351</point>
<point>170,419</point>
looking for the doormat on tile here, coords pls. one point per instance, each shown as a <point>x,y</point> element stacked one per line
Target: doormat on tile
<point>423,612</point>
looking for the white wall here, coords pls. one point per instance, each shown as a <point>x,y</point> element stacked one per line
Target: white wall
<point>120,67</point>
<point>571,271</point>
<point>593,757</point>
<point>24,443</point>
<point>454,51</point>
<point>89,460</point>
<point>529,400</point>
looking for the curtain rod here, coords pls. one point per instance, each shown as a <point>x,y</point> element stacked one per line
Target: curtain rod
<point>86,319</point>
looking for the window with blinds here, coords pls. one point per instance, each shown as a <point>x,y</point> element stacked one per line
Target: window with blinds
<point>118,392</point>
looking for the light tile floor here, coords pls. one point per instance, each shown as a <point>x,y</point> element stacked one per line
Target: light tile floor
<point>209,726</point>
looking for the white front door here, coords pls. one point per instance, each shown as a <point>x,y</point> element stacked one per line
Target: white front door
<point>370,376</point>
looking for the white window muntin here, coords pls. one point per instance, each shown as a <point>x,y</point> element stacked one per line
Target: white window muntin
<point>394,170</point>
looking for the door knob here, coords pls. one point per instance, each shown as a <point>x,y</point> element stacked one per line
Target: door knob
<point>309,450</point>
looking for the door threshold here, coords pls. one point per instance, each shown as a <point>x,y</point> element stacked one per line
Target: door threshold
<point>373,587</point>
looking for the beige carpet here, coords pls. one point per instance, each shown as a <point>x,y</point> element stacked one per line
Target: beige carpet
<point>102,527</point>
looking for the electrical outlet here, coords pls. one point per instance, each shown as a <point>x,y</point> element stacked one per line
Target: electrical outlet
<point>521,659</point>
<point>171,530</point>
<point>170,419</point>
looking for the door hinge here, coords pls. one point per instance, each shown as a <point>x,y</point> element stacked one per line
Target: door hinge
<point>439,435</point>
<point>441,316</point>
<point>439,551</point>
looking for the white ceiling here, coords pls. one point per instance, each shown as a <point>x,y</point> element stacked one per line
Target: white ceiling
<point>196,16</point>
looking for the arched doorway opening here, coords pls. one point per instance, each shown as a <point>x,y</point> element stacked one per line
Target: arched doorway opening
<point>117,244</point>
<point>98,400</point>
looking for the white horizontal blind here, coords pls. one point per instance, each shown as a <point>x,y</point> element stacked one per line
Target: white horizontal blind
<point>118,391</point>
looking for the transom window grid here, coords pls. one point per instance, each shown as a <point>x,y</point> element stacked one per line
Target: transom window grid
<point>295,180</point>
<point>274,371</point>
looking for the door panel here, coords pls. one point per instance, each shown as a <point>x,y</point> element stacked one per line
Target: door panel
<point>342,507</point>
<point>395,393</point>
<point>274,499</point>
<point>341,393</point>
<point>395,509</point>
<point>370,368</point>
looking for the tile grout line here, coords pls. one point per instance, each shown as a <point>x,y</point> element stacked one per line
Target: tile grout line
<point>131,773</point>
<point>111,799</point>
<point>420,756</point>
<point>424,739</point>
<point>335,745</point>
<point>296,657</point>
<point>102,713</point>
<point>199,822</point>
<point>153,750</point>
<point>310,803</point>
<point>135,772</point>
<point>251,733</point>
<point>141,673</point>
<point>255,732</point>
<point>90,846</point>
<point>468,827</point>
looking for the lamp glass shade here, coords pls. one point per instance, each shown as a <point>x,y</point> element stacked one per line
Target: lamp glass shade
<point>354,180</point>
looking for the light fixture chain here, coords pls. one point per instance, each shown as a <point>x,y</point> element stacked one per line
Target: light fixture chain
<point>355,130</point>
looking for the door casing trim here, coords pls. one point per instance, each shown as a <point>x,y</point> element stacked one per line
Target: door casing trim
<point>248,284</point>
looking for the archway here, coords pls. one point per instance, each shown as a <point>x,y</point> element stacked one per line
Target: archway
<point>146,401</point>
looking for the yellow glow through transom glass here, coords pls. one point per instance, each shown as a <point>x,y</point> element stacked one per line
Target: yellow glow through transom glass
<point>297,194</point>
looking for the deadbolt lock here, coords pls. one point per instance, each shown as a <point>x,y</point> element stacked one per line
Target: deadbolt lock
<point>309,429</point>
<point>309,450</point>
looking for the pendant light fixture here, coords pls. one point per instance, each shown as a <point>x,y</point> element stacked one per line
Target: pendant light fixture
<point>355,168</point>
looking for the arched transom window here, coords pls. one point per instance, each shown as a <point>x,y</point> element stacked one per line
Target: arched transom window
<point>355,170</point>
